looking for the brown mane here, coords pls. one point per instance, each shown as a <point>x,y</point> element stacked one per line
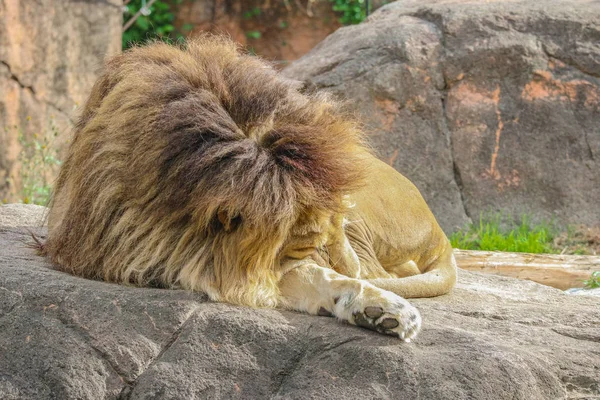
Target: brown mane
<point>189,167</point>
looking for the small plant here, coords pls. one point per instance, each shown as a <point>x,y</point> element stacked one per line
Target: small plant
<point>253,34</point>
<point>594,281</point>
<point>491,234</point>
<point>254,12</point>
<point>353,11</point>
<point>155,22</point>
<point>38,163</point>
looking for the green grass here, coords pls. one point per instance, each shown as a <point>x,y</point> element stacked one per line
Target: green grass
<point>494,233</point>
<point>594,281</point>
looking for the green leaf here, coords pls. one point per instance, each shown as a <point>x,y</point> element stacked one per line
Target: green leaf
<point>159,24</point>
<point>160,6</point>
<point>253,34</point>
<point>142,23</point>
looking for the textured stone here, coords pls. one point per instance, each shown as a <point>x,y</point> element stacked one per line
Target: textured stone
<point>493,338</point>
<point>584,292</point>
<point>12,215</point>
<point>50,55</point>
<point>485,106</point>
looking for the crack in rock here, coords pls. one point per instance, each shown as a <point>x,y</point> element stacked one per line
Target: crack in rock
<point>129,387</point>
<point>16,79</point>
<point>32,90</point>
<point>294,364</point>
<point>88,340</point>
<point>437,23</point>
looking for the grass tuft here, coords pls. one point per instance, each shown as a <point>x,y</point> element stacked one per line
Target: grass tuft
<point>492,233</point>
<point>594,281</point>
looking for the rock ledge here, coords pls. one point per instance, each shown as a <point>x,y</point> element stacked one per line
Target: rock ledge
<point>492,338</point>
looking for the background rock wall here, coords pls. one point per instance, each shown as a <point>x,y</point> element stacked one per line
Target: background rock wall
<point>50,53</point>
<point>484,106</point>
<point>277,30</point>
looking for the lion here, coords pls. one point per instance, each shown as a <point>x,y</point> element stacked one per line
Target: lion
<point>198,166</point>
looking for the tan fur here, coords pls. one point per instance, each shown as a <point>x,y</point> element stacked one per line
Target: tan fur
<point>197,166</point>
<point>398,242</point>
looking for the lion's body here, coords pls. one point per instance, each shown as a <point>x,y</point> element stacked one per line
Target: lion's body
<point>395,235</point>
<point>201,168</point>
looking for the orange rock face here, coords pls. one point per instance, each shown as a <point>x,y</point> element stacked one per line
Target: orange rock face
<point>50,53</point>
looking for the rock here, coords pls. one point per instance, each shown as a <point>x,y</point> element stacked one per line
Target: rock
<point>492,338</point>
<point>50,55</point>
<point>584,292</point>
<point>485,106</point>
<point>12,215</point>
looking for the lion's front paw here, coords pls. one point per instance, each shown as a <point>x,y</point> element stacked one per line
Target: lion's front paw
<point>385,312</point>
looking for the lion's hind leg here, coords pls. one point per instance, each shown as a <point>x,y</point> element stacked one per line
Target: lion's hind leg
<point>438,279</point>
<point>322,291</point>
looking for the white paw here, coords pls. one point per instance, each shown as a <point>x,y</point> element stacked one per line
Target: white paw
<point>382,311</point>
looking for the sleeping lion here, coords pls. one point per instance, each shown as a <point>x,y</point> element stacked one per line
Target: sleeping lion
<point>199,167</point>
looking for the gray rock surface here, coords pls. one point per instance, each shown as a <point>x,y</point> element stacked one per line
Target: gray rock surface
<point>50,55</point>
<point>63,337</point>
<point>584,292</point>
<point>12,215</point>
<point>485,106</point>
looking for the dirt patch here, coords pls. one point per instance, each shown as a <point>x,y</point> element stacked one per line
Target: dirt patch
<point>280,31</point>
<point>579,239</point>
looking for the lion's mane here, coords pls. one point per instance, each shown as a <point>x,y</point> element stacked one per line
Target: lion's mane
<point>188,167</point>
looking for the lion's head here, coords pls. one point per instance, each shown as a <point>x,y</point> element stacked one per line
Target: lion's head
<point>199,166</point>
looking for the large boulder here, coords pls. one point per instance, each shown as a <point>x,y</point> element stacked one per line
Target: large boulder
<point>485,106</point>
<point>63,337</point>
<point>50,55</point>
